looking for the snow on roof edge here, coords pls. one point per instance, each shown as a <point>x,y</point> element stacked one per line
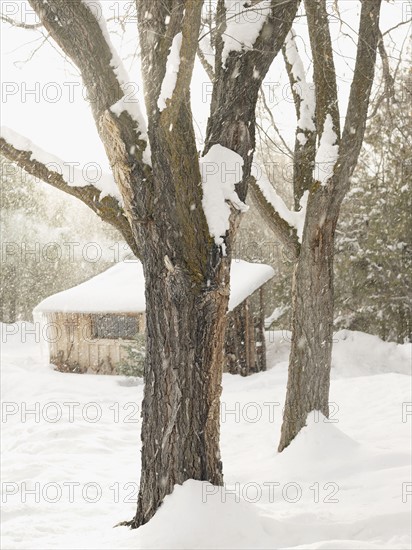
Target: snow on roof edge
<point>98,294</point>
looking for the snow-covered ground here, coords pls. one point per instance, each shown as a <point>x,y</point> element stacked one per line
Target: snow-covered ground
<point>70,468</point>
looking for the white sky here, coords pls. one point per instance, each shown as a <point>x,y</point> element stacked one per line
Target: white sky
<point>58,119</point>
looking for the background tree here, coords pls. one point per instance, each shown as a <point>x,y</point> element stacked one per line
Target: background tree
<point>324,160</point>
<point>375,234</point>
<point>373,256</point>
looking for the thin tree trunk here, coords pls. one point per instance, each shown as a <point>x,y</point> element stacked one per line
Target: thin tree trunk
<point>310,358</point>
<point>312,330</point>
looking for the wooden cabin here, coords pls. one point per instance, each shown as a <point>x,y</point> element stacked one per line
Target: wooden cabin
<point>99,326</point>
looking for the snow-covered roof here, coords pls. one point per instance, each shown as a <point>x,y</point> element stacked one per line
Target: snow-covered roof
<point>121,289</point>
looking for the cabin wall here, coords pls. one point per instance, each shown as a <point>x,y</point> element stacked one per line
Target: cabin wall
<point>72,348</point>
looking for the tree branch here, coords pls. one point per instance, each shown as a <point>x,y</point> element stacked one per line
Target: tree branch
<point>83,37</point>
<point>355,122</point>
<point>205,63</point>
<point>324,73</point>
<point>289,152</point>
<point>304,99</point>
<point>108,208</point>
<point>389,91</point>
<point>20,24</point>
<point>388,78</point>
<point>190,26</point>
<point>282,230</point>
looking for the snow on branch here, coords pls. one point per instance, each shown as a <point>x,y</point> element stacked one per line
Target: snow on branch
<point>221,169</point>
<point>172,70</point>
<point>294,219</point>
<point>206,54</point>
<point>243,25</point>
<point>69,171</point>
<point>327,152</point>
<point>131,107</point>
<point>304,90</point>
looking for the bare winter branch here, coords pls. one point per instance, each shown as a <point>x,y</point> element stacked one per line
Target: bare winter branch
<point>323,65</point>
<point>107,208</point>
<point>20,24</point>
<point>281,229</point>
<point>355,122</point>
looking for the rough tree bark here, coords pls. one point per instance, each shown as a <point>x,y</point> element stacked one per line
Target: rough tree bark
<point>186,314</point>
<point>310,358</point>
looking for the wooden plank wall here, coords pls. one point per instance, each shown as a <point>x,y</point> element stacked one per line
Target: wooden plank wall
<point>74,350</point>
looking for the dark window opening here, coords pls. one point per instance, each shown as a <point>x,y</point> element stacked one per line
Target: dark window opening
<point>115,326</point>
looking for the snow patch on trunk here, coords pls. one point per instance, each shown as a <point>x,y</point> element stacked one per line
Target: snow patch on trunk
<point>327,153</point>
<point>172,70</point>
<point>243,25</point>
<point>221,170</point>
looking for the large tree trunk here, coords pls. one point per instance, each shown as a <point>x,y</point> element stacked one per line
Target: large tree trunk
<point>183,372</point>
<point>312,330</point>
<point>187,286</point>
<point>187,274</point>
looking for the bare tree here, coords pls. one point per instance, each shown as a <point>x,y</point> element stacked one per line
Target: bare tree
<point>158,174</point>
<point>310,360</point>
<point>324,159</point>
